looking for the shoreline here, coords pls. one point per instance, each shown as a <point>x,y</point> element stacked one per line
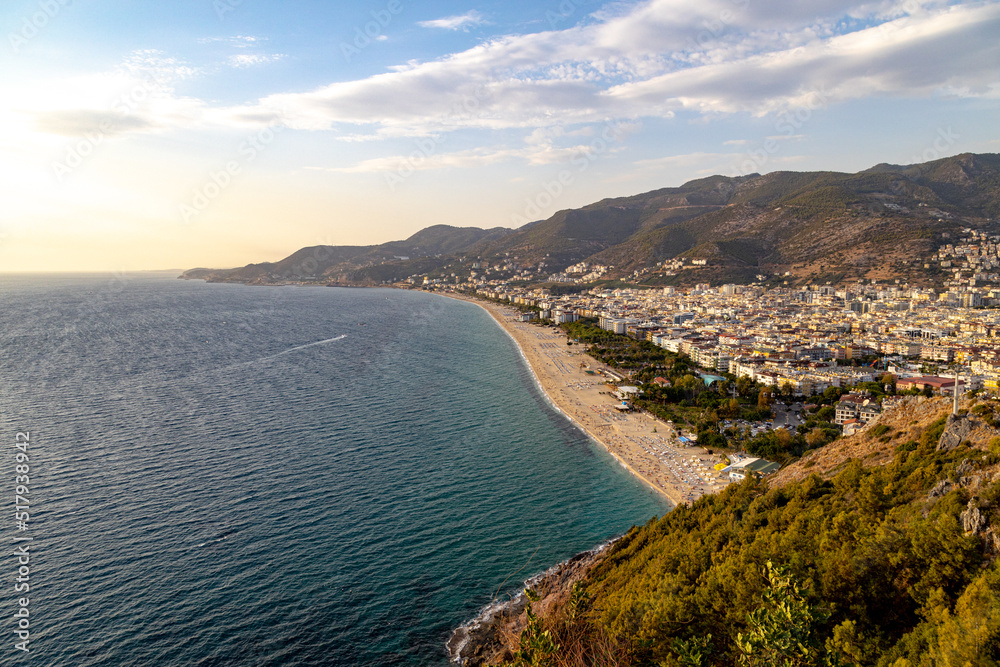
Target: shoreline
<point>479,640</point>
<point>645,446</point>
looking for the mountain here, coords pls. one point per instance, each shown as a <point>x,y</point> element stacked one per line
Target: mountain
<point>884,223</point>
<point>348,264</point>
<point>879,223</point>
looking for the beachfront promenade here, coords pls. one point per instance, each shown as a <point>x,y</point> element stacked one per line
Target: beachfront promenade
<point>646,446</point>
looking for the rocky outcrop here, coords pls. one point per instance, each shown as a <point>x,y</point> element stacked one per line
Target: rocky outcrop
<point>973,519</point>
<point>956,430</point>
<point>477,641</point>
<point>480,640</point>
<point>940,489</point>
<point>992,541</point>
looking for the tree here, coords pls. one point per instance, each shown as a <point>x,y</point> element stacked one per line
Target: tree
<point>744,386</point>
<point>816,437</point>
<point>764,399</point>
<point>782,632</point>
<point>729,409</point>
<point>783,438</point>
<point>537,647</point>
<point>691,652</point>
<point>690,384</point>
<point>970,635</point>
<point>787,390</point>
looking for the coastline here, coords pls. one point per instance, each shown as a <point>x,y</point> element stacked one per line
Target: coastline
<point>645,446</point>
<point>480,640</point>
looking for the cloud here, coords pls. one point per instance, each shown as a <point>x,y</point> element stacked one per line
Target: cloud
<point>913,57</point>
<point>153,64</point>
<point>651,60</point>
<point>426,157</point>
<point>237,41</point>
<point>243,60</point>
<point>656,60</point>
<point>464,21</point>
<point>78,123</point>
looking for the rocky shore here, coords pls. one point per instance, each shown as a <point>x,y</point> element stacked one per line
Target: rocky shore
<point>481,640</point>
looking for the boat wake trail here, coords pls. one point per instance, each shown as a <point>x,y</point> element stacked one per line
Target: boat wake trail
<point>244,364</point>
<point>302,347</point>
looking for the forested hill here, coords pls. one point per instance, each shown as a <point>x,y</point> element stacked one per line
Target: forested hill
<point>856,564</point>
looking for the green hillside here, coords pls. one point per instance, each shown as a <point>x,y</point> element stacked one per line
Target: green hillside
<point>892,565</point>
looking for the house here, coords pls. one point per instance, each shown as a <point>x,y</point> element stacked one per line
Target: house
<point>848,408</point>
<point>753,466</point>
<point>937,384</point>
<point>852,426</point>
<point>626,392</point>
<point>856,407</point>
<point>869,411</point>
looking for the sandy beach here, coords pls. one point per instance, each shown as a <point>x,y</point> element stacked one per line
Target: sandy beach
<point>646,446</point>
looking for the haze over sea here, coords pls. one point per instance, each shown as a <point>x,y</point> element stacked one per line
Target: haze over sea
<point>233,475</point>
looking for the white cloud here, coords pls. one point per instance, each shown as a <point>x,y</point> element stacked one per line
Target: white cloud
<point>137,96</point>
<point>464,21</point>
<point>653,62</point>
<point>242,60</point>
<point>654,59</point>
<point>423,160</point>
<point>237,41</point>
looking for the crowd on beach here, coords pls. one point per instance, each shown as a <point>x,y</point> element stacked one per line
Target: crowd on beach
<point>680,471</point>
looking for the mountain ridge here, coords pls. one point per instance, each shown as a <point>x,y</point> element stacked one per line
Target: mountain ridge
<point>882,222</point>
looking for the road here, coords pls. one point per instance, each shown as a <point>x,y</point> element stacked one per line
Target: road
<point>786,415</point>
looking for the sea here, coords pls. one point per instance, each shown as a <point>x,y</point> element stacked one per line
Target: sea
<point>221,474</point>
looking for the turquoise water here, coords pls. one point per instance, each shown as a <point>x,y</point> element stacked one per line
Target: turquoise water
<point>233,475</point>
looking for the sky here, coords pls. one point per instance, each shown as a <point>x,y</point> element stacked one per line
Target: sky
<point>215,133</point>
